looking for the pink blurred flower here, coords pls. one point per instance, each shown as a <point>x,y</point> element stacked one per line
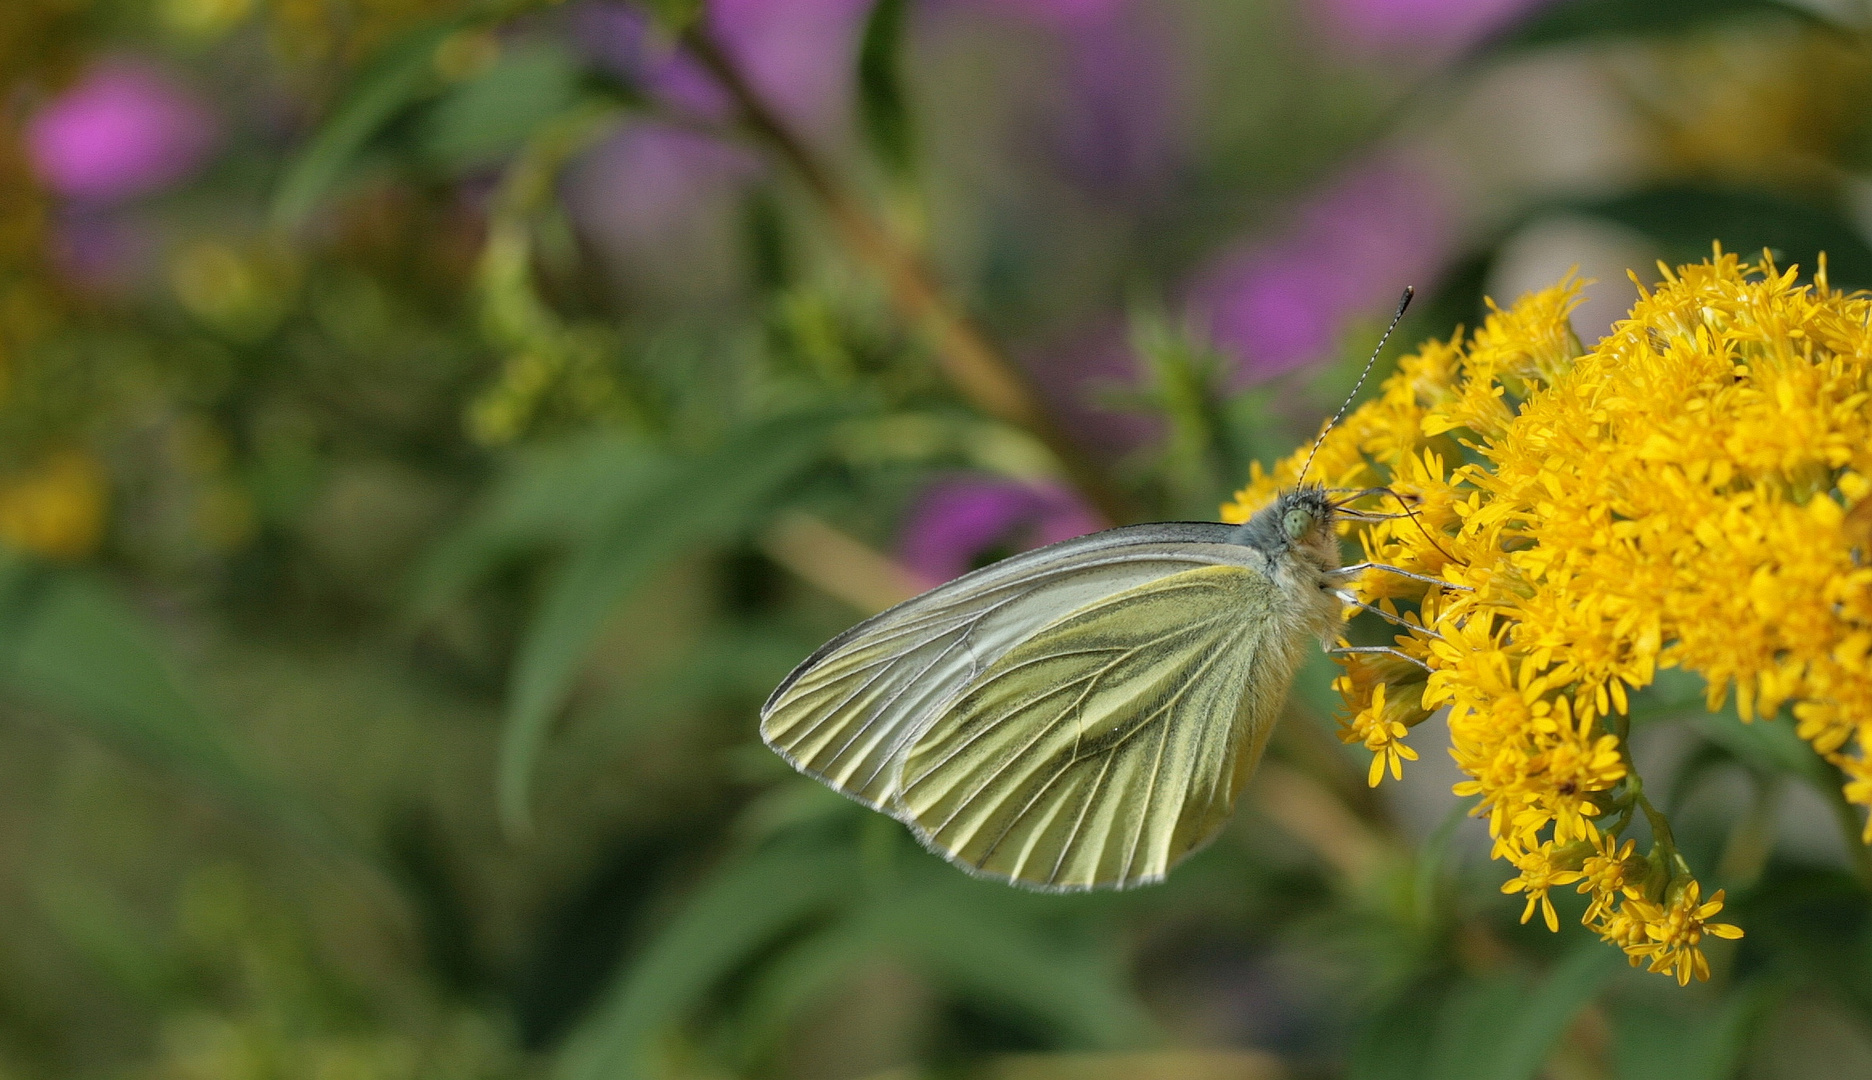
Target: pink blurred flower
<point>648,188</point>
<point>956,522</point>
<point>800,54</point>
<point>1117,131</point>
<point>619,37</point>
<point>1281,301</point>
<point>647,192</point>
<point>1078,373</point>
<point>124,130</point>
<point>1436,25</point>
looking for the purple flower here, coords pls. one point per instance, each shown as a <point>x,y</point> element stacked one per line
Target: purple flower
<point>956,522</point>
<point>1117,131</point>
<point>619,37</point>
<point>1079,374</point>
<point>124,130</point>
<point>1434,25</point>
<point>799,54</point>
<point>650,193</point>
<point>1281,301</point>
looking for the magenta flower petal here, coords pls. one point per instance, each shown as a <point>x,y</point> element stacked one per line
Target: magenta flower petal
<point>124,130</point>
<point>955,523</point>
<point>1281,302</point>
<point>800,54</point>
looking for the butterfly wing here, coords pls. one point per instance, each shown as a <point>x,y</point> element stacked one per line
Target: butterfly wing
<point>848,713</point>
<point>1110,744</point>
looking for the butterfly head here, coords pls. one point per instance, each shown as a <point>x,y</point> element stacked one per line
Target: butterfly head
<point>1298,524</point>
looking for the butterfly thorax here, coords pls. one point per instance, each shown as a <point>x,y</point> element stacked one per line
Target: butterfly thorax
<point>1296,535</point>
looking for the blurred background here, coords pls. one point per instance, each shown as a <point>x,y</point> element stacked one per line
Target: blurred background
<point>428,430</point>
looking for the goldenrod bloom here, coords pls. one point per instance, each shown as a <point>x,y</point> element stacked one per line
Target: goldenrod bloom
<point>1690,492</point>
<point>1672,930</point>
<point>1542,869</point>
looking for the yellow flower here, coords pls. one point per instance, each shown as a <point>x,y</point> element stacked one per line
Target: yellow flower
<point>1606,875</point>
<point>1541,869</point>
<point>1383,736</point>
<point>1689,492</point>
<point>55,509</point>
<point>1674,929</point>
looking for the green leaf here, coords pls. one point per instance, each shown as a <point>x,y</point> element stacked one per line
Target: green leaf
<point>487,118</point>
<point>401,76</point>
<point>96,925</point>
<point>702,501</point>
<point>1395,1043</point>
<point>785,987</point>
<point>1686,219</point>
<point>1574,22</point>
<point>71,648</point>
<point>1524,1044</point>
<point>1769,746</point>
<point>739,911</point>
<point>883,107</point>
<point>739,663</point>
<point>544,496</point>
<point>1657,1034</point>
<point>1201,461</point>
<point>1470,1025</point>
<point>978,950</point>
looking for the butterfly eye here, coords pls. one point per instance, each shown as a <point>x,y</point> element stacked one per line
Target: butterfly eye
<point>1297,523</point>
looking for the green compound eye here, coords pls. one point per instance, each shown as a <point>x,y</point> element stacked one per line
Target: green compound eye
<point>1297,523</point>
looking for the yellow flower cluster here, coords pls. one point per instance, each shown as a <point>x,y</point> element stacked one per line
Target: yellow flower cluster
<point>1690,492</point>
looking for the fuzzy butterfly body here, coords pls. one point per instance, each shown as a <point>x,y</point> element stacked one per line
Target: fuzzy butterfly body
<point>1077,717</point>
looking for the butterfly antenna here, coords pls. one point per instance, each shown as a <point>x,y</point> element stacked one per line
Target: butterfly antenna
<point>1403,302</point>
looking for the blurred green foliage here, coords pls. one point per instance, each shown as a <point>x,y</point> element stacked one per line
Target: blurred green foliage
<point>392,571</point>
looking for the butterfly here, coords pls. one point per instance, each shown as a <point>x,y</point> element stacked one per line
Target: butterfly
<point>1083,715</point>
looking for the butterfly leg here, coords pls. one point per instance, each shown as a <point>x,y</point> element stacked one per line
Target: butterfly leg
<point>1351,600</point>
<point>1385,649</point>
<point>1401,572</point>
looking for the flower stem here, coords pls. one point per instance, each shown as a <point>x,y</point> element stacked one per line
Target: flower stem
<point>977,368</point>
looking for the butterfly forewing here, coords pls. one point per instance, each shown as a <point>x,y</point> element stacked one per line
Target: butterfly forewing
<point>849,713</point>
<point>1109,744</point>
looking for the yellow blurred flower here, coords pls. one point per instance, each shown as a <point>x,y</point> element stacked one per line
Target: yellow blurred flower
<point>1769,109</point>
<point>1684,494</point>
<point>55,509</point>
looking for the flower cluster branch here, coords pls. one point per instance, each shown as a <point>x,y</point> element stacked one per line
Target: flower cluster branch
<point>1688,493</point>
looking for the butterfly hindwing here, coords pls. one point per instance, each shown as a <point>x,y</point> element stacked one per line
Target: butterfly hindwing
<point>1112,742</point>
<point>850,711</point>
